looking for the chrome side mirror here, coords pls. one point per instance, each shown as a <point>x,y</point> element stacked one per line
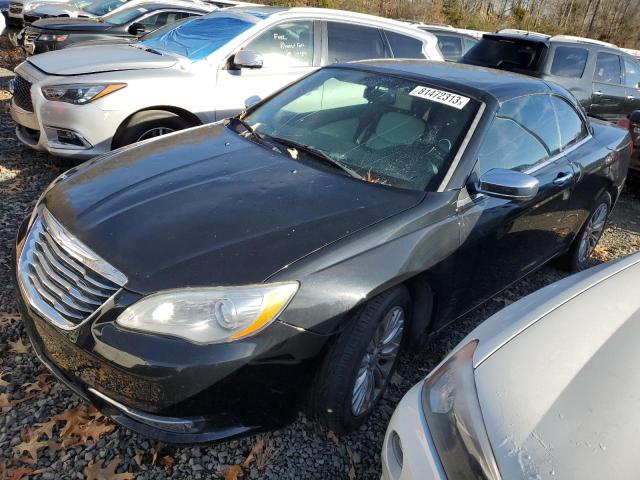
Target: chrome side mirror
<point>251,101</point>
<point>508,184</point>
<point>247,59</point>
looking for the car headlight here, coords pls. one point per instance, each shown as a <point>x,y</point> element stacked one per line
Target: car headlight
<point>452,410</point>
<point>209,315</point>
<point>80,94</point>
<point>52,37</point>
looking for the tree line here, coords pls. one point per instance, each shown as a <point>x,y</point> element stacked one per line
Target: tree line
<point>614,21</point>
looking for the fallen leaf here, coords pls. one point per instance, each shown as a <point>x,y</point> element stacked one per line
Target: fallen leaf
<point>233,472</point>
<point>167,462</point>
<point>5,401</point>
<point>138,457</point>
<point>8,318</point>
<point>41,385</point>
<point>352,473</point>
<point>332,436</point>
<point>396,379</point>
<point>32,447</point>
<point>15,473</point>
<point>255,451</point>
<point>18,346</point>
<point>45,428</point>
<point>3,382</point>
<point>157,448</point>
<point>94,471</point>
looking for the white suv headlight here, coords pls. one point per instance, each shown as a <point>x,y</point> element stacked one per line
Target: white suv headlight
<point>209,315</point>
<point>80,94</point>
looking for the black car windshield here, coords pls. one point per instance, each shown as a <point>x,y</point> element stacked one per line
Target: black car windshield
<point>124,16</point>
<point>101,7</point>
<point>506,54</point>
<point>385,129</point>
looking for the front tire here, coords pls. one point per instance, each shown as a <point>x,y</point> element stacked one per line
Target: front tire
<point>356,371</point>
<point>149,124</point>
<point>583,245</point>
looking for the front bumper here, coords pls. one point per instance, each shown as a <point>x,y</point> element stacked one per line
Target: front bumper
<point>420,460</point>
<point>39,129</point>
<point>171,390</point>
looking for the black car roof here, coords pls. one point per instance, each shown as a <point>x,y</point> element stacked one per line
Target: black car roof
<point>476,82</point>
<point>523,37</point>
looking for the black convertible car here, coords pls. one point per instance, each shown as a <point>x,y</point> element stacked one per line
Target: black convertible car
<point>124,23</point>
<point>201,285</point>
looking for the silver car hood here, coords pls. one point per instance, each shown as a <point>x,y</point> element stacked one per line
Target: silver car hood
<point>99,58</point>
<point>58,8</point>
<point>559,391</point>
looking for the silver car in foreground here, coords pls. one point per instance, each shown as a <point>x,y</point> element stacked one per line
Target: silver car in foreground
<point>84,101</point>
<point>547,388</point>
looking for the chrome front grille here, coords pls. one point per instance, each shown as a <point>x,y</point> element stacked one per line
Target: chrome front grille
<point>22,93</point>
<point>60,277</point>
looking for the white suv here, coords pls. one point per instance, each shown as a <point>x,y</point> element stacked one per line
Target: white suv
<point>84,101</point>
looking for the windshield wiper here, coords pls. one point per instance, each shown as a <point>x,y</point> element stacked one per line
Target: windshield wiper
<point>252,133</point>
<point>319,154</point>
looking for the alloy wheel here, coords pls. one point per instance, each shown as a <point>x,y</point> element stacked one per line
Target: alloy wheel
<point>155,132</point>
<point>592,232</point>
<point>375,366</point>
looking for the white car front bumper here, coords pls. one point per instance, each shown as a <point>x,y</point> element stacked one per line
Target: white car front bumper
<point>63,129</point>
<point>420,460</point>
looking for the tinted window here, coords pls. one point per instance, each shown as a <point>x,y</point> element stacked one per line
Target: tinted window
<point>353,42</point>
<point>469,43</point>
<point>523,134</point>
<point>535,113</point>
<point>569,61</point>
<point>403,46</point>
<point>450,46</point>
<point>631,73</point>
<point>608,68</point>
<point>384,128</point>
<point>572,128</point>
<point>100,7</point>
<point>505,54</point>
<point>287,44</point>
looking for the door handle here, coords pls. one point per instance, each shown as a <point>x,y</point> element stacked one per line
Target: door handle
<point>563,178</point>
<point>597,93</point>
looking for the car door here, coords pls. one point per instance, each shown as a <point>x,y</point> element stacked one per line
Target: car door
<point>502,239</point>
<point>289,50</point>
<point>632,84</point>
<point>609,95</point>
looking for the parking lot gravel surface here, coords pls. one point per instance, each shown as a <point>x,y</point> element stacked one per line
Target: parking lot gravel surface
<point>301,450</point>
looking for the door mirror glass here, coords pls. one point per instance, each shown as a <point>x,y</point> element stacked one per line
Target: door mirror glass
<point>251,101</point>
<point>508,184</point>
<point>137,29</point>
<point>247,59</point>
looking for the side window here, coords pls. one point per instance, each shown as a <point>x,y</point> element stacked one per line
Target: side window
<point>403,46</point>
<point>631,73</point>
<point>608,68</point>
<point>287,44</point>
<point>450,46</point>
<point>157,20</point>
<point>569,61</point>
<point>521,136</point>
<point>347,43</point>
<point>468,43</point>
<point>572,127</point>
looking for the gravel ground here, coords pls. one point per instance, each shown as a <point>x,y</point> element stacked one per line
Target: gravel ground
<point>74,447</point>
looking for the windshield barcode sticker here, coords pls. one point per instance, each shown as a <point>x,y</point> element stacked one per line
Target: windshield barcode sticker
<point>440,96</point>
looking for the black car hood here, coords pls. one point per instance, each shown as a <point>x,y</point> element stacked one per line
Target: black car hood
<point>208,207</point>
<point>72,25</point>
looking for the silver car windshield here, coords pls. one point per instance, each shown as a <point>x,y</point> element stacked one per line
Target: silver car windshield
<point>381,128</point>
<point>197,38</point>
<point>123,16</point>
